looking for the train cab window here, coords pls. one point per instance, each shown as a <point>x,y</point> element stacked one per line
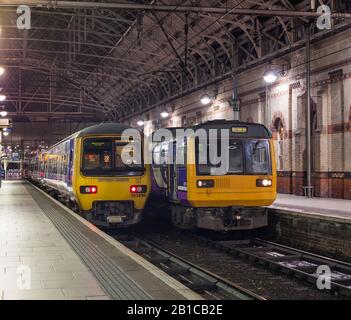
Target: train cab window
<point>97,155</point>
<point>257,155</point>
<point>104,157</point>
<point>235,157</point>
<point>244,157</point>
<point>234,161</point>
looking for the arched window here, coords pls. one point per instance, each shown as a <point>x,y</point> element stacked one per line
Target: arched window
<point>279,127</point>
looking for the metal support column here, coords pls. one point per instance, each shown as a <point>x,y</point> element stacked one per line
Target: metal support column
<point>266,109</point>
<point>308,188</point>
<point>235,100</point>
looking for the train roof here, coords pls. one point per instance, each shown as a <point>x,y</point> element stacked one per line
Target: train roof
<point>104,128</point>
<point>101,128</point>
<point>255,130</point>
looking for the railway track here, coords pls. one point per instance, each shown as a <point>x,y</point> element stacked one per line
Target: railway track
<point>290,261</point>
<point>209,285</point>
<point>264,269</point>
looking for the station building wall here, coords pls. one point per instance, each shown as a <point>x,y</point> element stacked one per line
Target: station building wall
<point>286,115</point>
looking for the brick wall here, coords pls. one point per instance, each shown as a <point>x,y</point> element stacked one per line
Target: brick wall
<point>326,236</point>
<point>331,114</point>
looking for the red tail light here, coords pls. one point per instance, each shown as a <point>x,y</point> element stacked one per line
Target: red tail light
<point>88,189</point>
<point>138,189</point>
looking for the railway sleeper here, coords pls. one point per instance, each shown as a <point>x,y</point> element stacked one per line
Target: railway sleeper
<point>201,287</point>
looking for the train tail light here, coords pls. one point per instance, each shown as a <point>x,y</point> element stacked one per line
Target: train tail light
<point>138,189</point>
<point>88,189</point>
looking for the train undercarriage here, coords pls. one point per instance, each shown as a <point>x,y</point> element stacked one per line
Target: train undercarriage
<point>220,219</point>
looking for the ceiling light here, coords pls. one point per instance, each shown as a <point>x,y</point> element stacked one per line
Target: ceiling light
<point>3,113</point>
<point>2,70</point>
<point>205,99</point>
<point>140,123</point>
<point>6,133</point>
<point>2,97</point>
<point>164,114</point>
<point>270,76</point>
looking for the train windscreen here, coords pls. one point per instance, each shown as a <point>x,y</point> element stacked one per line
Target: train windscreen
<point>245,157</point>
<point>103,157</point>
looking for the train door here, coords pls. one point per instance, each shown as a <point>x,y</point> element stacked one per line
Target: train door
<point>173,178</point>
<point>70,163</point>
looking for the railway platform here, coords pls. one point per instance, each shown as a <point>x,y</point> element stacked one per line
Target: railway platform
<point>319,225</point>
<point>332,208</point>
<point>49,252</point>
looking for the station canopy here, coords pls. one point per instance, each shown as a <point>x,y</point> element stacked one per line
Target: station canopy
<point>112,60</point>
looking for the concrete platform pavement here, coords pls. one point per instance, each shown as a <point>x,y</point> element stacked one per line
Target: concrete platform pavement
<point>35,261</point>
<point>49,252</point>
<point>319,206</point>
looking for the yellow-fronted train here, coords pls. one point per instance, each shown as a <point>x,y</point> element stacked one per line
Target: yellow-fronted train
<point>235,200</point>
<point>86,171</point>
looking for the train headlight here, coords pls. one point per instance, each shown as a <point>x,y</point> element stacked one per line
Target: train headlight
<point>265,183</point>
<point>88,189</point>
<point>138,189</point>
<point>205,183</point>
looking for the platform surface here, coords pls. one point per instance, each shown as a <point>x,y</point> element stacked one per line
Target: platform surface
<point>338,208</point>
<point>46,252</point>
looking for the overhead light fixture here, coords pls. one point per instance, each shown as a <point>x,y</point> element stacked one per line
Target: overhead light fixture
<point>164,114</point>
<point>270,76</point>
<point>3,113</point>
<point>140,123</point>
<point>6,133</point>
<point>2,70</point>
<point>205,99</point>
<point>2,97</point>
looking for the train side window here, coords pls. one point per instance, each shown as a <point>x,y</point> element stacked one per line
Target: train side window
<point>156,156</point>
<point>182,157</point>
<point>164,156</point>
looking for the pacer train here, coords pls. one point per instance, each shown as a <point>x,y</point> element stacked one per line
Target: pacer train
<point>86,171</point>
<point>234,201</point>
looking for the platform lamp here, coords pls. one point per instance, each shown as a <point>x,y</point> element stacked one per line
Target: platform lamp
<point>209,95</point>
<point>140,123</point>
<point>3,112</point>
<point>205,99</point>
<point>270,76</point>
<point>164,114</point>
<point>5,132</point>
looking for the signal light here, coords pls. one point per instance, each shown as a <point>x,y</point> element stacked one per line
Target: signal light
<point>138,189</point>
<point>88,189</point>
